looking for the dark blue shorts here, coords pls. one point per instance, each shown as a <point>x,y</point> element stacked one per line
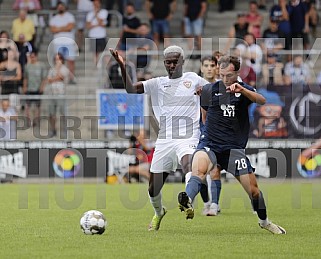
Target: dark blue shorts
<point>233,161</point>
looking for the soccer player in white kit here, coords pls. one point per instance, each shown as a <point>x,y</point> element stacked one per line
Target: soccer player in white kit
<point>177,108</point>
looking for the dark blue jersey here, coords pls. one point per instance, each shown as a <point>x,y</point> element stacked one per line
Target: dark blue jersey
<point>227,119</point>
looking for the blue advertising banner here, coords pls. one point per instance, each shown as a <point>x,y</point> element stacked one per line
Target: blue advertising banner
<point>116,108</point>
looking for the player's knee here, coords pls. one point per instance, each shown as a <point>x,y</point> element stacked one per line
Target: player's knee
<point>200,163</point>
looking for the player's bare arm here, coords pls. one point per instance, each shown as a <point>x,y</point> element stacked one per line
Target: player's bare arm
<point>253,96</point>
<point>136,88</point>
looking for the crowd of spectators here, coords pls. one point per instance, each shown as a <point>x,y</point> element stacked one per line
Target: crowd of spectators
<point>261,48</point>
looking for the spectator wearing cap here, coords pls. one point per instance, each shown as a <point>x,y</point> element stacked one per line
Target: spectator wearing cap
<point>272,72</point>
<point>280,12</point>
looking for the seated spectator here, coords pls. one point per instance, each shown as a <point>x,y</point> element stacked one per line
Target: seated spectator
<point>297,73</point>
<point>8,118</point>
<point>238,31</point>
<point>255,19</point>
<point>33,84</point>
<point>273,38</point>
<point>31,6</point>
<point>11,76</point>
<point>144,151</point>
<point>272,72</point>
<point>251,52</point>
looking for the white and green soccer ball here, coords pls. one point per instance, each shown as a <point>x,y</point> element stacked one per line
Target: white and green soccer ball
<point>93,222</point>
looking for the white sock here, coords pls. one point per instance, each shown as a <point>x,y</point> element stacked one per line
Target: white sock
<point>157,204</point>
<point>187,177</point>
<point>264,223</point>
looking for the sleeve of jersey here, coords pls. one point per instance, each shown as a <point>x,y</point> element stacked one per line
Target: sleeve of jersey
<point>248,87</point>
<point>150,86</point>
<point>206,96</point>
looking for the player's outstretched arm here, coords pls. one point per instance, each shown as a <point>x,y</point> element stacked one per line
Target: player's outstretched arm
<point>253,96</point>
<point>136,88</point>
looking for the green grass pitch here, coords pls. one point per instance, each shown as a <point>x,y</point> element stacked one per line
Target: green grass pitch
<point>42,221</point>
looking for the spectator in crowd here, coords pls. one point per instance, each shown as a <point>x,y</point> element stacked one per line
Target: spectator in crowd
<point>255,19</point>
<point>83,8</point>
<point>160,13</point>
<point>280,12</point>
<point>31,6</point>
<point>226,5</point>
<point>251,52</point>
<point>54,3</point>
<point>131,24</point>
<point>144,43</point>
<point>57,78</point>
<point>144,151</point>
<point>246,73</point>
<point>114,72</point>
<point>11,75</point>
<point>34,81</point>
<point>62,26</point>
<point>313,18</point>
<point>8,118</point>
<point>299,20</point>
<point>109,5</point>
<point>96,21</point>
<point>297,74</point>
<point>238,31</point>
<point>23,28</point>
<point>5,44</point>
<point>194,17</point>
<point>273,38</point>
<point>272,72</point>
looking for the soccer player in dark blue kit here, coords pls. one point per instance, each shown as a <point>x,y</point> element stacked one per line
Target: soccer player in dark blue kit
<point>225,107</point>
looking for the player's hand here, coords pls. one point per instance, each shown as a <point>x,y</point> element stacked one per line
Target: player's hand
<point>236,88</point>
<point>116,56</point>
<point>198,90</point>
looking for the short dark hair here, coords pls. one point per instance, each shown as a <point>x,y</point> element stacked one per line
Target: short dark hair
<point>34,51</point>
<point>225,61</point>
<point>210,58</point>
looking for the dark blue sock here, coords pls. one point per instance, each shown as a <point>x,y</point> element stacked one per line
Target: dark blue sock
<point>204,193</point>
<point>259,206</point>
<point>216,187</point>
<point>193,187</point>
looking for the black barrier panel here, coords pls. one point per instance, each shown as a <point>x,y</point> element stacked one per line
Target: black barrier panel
<point>68,163</point>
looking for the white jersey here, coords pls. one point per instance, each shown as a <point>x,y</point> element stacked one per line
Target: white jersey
<point>175,105</point>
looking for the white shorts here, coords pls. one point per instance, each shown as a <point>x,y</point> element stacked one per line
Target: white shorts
<point>168,154</point>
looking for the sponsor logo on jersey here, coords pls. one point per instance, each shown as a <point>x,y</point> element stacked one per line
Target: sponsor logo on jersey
<point>237,95</point>
<point>228,110</point>
<point>166,86</point>
<point>187,84</point>
<point>218,94</point>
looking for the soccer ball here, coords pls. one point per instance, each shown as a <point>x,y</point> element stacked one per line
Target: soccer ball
<point>93,222</point>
